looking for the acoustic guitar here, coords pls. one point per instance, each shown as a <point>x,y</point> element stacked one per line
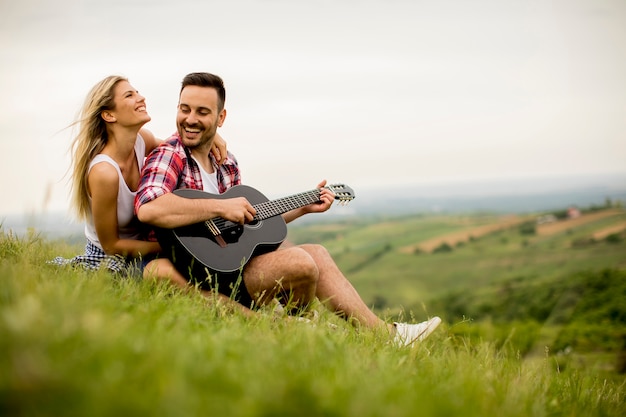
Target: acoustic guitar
<point>222,246</point>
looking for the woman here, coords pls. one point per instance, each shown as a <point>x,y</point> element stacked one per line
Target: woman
<point>108,154</point>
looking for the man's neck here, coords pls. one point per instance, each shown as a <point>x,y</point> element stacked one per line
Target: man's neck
<point>201,155</point>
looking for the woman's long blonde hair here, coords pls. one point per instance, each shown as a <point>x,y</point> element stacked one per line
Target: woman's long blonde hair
<point>91,139</point>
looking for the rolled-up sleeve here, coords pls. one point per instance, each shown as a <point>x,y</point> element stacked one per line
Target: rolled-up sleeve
<point>159,175</point>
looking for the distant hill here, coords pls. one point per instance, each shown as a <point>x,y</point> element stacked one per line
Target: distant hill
<point>522,196</point>
<point>519,196</point>
<point>406,201</point>
<point>49,224</point>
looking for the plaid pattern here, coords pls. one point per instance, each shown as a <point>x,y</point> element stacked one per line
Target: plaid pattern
<point>94,258</point>
<point>170,166</point>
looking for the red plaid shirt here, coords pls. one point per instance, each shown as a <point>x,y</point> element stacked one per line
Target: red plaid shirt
<point>170,166</point>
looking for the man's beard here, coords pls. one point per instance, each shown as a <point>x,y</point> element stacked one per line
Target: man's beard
<point>206,137</point>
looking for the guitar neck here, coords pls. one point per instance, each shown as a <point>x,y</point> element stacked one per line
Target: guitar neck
<point>282,205</point>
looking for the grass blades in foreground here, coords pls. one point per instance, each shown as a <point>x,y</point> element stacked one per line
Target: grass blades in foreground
<point>74,343</point>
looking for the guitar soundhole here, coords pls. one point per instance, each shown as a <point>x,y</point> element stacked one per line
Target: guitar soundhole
<point>232,233</point>
<point>255,224</point>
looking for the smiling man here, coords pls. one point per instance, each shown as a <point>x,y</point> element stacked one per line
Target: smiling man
<point>294,275</point>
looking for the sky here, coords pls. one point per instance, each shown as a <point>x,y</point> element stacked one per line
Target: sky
<point>370,93</point>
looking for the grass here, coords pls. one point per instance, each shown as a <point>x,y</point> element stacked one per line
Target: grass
<point>75,343</point>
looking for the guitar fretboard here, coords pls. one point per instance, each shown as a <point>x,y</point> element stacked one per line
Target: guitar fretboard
<point>282,205</point>
<point>272,208</point>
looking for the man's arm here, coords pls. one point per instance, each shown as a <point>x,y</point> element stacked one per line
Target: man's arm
<point>155,204</point>
<point>326,200</point>
<point>170,211</point>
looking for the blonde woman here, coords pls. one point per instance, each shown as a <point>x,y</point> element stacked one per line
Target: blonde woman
<point>108,154</point>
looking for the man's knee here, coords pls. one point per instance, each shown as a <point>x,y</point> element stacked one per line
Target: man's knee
<point>314,249</point>
<point>162,269</point>
<point>304,265</point>
<point>151,270</point>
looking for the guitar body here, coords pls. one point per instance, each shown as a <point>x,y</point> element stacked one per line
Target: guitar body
<point>221,247</point>
<point>240,242</point>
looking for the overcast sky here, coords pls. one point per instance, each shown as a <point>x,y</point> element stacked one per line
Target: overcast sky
<point>369,93</point>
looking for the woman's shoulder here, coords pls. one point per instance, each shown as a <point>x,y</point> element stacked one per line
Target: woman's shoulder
<point>103,162</point>
<point>103,172</point>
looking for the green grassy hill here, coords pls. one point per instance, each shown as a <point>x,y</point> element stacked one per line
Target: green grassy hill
<point>534,325</point>
<point>565,290</point>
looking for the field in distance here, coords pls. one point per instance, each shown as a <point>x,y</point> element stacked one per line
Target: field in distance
<point>490,269</point>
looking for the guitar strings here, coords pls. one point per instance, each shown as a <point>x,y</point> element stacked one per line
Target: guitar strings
<point>213,227</point>
<point>269,209</point>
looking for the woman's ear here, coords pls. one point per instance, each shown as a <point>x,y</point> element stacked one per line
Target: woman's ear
<point>108,117</point>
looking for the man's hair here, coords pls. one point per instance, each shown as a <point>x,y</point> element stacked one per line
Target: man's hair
<point>205,79</point>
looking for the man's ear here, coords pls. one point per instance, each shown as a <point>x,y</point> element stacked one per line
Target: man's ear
<point>221,118</point>
<point>108,117</point>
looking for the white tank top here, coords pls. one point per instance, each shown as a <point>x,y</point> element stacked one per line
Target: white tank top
<point>127,223</point>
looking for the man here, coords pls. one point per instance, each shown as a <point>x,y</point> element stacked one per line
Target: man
<point>297,274</point>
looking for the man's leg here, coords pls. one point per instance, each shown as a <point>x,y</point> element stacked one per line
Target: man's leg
<point>163,270</point>
<point>303,273</point>
<point>290,274</point>
<point>336,292</point>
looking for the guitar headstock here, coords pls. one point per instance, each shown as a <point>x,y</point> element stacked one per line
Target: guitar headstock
<point>342,192</point>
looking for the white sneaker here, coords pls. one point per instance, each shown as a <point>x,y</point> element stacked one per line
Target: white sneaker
<point>407,334</point>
